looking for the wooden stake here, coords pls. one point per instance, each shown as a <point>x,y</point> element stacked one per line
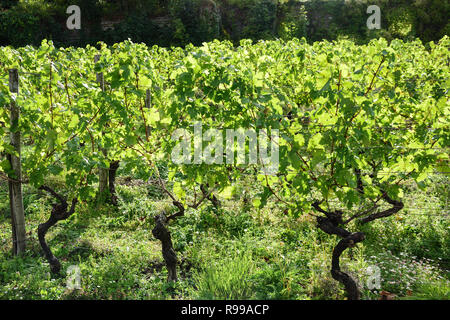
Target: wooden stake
<point>148,105</point>
<point>15,185</point>
<point>103,173</point>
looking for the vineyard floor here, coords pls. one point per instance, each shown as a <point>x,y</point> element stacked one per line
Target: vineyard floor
<point>235,252</point>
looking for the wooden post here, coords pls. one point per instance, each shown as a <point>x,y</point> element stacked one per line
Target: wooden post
<point>103,172</point>
<point>148,105</point>
<point>148,99</point>
<point>100,78</point>
<point>15,184</point>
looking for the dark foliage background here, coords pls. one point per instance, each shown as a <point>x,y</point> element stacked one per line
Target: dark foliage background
<point>179,22</point>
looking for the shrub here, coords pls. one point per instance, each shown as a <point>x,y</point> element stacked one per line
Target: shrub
<point>261,17</point>
<point>195,21</point>
<point>294,23</point>
<point>401,22</point>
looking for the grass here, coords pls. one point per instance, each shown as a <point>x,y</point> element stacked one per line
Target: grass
<point>235,252</point>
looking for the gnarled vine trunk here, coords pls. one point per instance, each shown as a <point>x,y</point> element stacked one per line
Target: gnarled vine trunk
<point>59,212</point>
<point>332,224</point>
<point>162,233</point>
<point>350,285</point>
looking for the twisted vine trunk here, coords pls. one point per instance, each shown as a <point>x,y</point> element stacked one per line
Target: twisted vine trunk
<point>161,233</point>
<point>350,285</point>
<point>55,265</point>
<point>332,223</point>
<point>59,212</point>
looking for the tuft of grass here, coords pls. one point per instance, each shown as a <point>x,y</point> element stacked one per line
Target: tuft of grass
<point>438,290</point>
<point>227,279</point>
